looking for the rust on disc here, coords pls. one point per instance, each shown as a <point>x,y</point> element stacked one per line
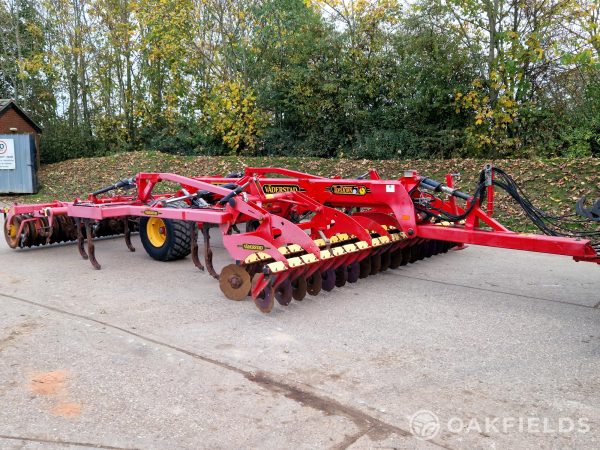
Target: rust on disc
<point>235,282</point>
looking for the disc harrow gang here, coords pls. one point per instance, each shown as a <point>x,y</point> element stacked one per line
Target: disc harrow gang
<point>303,234</point>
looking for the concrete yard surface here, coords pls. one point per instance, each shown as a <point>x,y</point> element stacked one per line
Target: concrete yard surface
<point>478,348</point>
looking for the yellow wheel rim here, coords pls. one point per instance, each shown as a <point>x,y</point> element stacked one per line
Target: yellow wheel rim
<point>12,231</point>
<point>157,231</point>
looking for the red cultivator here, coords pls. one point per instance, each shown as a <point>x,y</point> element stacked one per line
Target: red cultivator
<point>303,233</point>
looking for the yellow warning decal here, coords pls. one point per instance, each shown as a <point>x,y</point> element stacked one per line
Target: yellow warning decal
<point>349,189</point>
<point>278,188</point>
<point>253,247</point>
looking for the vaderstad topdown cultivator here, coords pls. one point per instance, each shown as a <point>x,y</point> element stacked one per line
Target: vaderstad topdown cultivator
<point>303,233</point>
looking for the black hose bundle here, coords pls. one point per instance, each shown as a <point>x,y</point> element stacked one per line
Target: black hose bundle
<point>570,225</point>
<point>440,214</point>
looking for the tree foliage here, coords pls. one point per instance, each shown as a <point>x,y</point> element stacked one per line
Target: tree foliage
<point>354,78</point>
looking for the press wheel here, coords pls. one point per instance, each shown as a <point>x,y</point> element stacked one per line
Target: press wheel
<point>429,249</point>
<point>353,272</point>
<point>375,263</point>
<point>386,260</point>
<point>365,267</point>
<point>396,259</point>
<point>415,252</point>
<point>406,255</point>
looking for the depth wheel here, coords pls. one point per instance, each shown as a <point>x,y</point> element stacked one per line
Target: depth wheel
<point>166,239</point>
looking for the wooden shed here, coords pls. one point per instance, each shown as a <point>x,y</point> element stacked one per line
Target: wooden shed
<point>13,120</point>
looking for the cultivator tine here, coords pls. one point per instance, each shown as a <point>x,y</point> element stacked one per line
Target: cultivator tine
<point>127,231</point>
<point>89,232</point>
<point>208,253</point>
<point>80,239</point>
<point>195,257</point>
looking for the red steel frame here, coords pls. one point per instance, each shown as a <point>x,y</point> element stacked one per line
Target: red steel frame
<point>333,204</point>
<point>395,200</point>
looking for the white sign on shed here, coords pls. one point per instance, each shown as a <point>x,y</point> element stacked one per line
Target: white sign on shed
<point>7,154</point>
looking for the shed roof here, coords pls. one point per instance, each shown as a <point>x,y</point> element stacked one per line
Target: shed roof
<point>6,103</point>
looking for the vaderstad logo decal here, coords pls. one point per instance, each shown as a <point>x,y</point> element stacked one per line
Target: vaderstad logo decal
<point>277,188</point>
<point>349,189</point>
<point>253,247</point>
<point>151,212</point>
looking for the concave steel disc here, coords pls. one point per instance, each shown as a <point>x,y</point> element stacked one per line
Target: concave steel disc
<point>314,283</point>
<point>266,298</point>
<point>235,282</point>
<point>299,287</point>
<point>283,292</point>
<point>328,278</point>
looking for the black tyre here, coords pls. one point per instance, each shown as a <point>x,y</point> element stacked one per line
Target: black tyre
<point>166,239</point>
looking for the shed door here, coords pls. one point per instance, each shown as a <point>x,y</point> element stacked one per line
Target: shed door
<point>22,179</point>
